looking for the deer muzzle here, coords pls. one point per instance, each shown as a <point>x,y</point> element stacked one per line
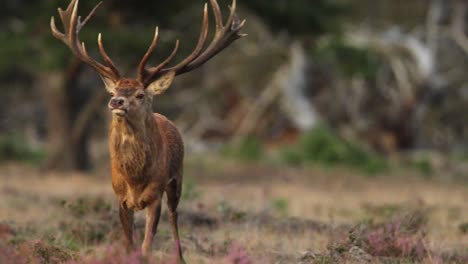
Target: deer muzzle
<point>118,105</point>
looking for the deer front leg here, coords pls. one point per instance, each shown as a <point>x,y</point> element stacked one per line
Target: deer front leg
<point>153,213</point>
<point>126,218</point>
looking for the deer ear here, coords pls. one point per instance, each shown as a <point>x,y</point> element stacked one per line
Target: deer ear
<point>160,85</point>
<point>108,83</point>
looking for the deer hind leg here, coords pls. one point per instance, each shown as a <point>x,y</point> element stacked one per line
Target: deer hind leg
<point>153,213</point>
<point>126,218</point>
<point>173,192</point>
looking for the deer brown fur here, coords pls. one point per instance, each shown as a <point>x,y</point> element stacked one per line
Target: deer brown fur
<point>146,149</point>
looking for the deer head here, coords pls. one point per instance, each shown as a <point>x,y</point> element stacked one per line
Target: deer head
<point>132,97</point>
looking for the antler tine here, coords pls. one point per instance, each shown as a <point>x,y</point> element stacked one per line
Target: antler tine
<point>232,17</point>
<point>154,71</point>
<point>65,15</point>
<point>106,57</point>
<point>141,68</point>
<point>55,32</point>
<point>90,15</point>
<point>72,31</point>
<point>223,38</point>
<point>72,26</point>
<point>217,14</point>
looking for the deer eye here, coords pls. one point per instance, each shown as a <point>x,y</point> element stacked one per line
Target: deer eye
<point>140,96</point>
<point>112,94</point>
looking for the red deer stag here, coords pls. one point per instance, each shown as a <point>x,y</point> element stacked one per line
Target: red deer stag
<point>146,149</point>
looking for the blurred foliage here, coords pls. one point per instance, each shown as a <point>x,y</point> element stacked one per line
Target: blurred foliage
<point>463,228</point>
<point>280,205</point>
<point>248,149</point>
<point>14,147</point>
<point>300,16</point>
<point>350,61</point>
<point>322,146</point>
<point>319,146</point>
<point>423,165</point>
<point>13,46</point>
<point>189,189</point>
<point>151,12</point>
<point>24,43</point>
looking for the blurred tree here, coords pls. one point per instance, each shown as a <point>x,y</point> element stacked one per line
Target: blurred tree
<point>300,16</point>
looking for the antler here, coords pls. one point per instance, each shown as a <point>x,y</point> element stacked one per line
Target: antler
<point>72,26</point>
<point>224,36</point>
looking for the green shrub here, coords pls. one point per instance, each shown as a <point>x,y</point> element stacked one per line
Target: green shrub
<point>322,146</point>
<point>423,165</point>
<point>463,228</point>
<point>249,149</point>
<point>189,189</point>
<point>350,61</point>
<point>280,205</point>
<point>13,147</point>
<point>291,156</point>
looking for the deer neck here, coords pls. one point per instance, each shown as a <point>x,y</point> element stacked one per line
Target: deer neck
<point>131,143</point>
<point>123,127</point>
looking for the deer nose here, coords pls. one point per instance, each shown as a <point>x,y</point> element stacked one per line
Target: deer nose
<point>116,102</point>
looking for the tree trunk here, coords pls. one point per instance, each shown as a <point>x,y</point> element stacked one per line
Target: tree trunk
<point>69,112</point>
<point>58,121</point>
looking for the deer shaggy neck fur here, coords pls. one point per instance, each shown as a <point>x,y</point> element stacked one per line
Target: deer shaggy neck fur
<point>131,145</point>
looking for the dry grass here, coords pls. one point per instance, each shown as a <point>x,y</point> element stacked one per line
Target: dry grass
<point>276,215</point>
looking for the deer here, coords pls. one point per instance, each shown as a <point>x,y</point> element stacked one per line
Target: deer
<point>146,149</point>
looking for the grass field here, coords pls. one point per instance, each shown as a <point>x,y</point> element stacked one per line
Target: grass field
<point>240,213</point>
